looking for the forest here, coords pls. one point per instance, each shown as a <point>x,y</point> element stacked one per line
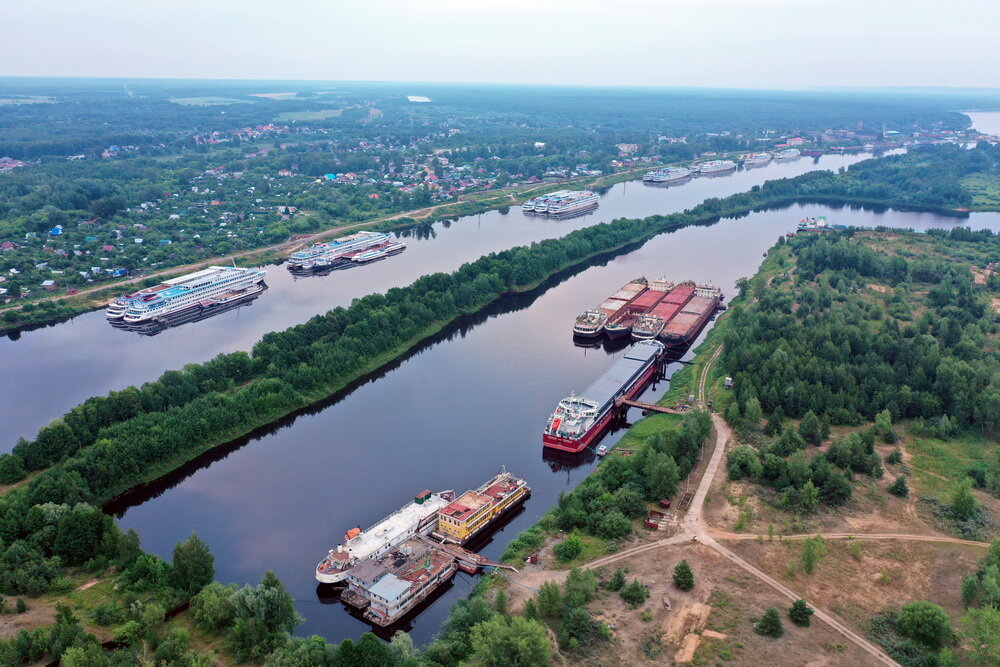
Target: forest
<point>863,333</point>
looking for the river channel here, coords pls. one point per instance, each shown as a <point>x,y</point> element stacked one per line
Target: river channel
<point>445,417</point>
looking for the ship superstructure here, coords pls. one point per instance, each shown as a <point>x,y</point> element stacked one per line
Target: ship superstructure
<point>562,203</point>
<point>201,290</point>
<point>787,154</point>
<point>756,159</point>
<point>715,166</point>
<point>580,420</point>
<point>329,253</point>
<point>666,175</point>
<point>590,323</point>
<point>472,511</point>
<point>417,517</point>
<point>621,323</point>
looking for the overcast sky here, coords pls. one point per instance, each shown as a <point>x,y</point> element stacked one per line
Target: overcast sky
<point>739,43</point>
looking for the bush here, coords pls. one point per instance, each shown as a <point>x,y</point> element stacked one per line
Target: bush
<point>683,576</point>
<point>899,487</point>
<point>635,593</point>
<point>925,622</point>
<point>568,549</point>
<point>770,624</point>
<point>617,580</point>
<point>614,526</point>
<point>800,613</point>
<point>895,457</point>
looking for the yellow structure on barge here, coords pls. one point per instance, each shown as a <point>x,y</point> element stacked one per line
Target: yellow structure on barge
<point>468,514</point>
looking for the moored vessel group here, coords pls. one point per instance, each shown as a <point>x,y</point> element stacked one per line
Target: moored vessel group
<point>396,563</point>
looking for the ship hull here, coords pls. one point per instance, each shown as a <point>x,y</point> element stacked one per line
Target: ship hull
<point>674,341</point>
<point>600,426</point>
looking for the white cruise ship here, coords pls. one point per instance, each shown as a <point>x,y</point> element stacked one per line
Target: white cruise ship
<point>666,175</point>
<point>563,202</point>
<point>788,154</point>
<point>329,252</point>
<point>202,289</point>
<point>715,166</point>
<point>757,158</point>
<point>420,516</point>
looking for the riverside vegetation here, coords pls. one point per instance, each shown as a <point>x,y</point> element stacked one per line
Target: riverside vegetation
<point>51,534</point>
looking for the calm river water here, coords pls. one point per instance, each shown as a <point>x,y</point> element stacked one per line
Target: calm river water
<point>447,416</point>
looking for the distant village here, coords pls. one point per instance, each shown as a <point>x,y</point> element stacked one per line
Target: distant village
<point>254,197</point>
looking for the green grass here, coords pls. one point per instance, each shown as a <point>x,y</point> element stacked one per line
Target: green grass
<point>985,191</point>
<point>593,548</point>
<point>938,464</point>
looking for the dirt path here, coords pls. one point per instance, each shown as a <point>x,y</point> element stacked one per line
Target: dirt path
<point>723,535</point>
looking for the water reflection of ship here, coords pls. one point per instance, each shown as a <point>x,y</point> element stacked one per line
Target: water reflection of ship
<point>330,594</point>
<point>223,305</point>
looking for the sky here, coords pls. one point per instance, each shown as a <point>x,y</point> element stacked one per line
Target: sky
<point>788,44</point>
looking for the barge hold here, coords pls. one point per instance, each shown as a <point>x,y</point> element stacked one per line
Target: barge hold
<point>590,324</point>
<point>621,323</point>
<point>579,421</point>
<point>650,325</point>
<point>687,324</point>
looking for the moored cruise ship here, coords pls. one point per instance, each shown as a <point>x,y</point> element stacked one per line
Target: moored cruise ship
<point>715,166</point>
<point>788,154</point>
<point>755,159</point>
<point>579,421</point>
<point>418,517</point>
<point>562,203</point>
<point>666,175</point>
<point>327,254</point>
<point>201,290</point>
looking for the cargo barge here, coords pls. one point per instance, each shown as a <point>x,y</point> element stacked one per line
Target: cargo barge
<point>467,516</point>
<point>649,325</point>
<point>621,323</point>
<point>579,421</point>
<point>685,326</point>
<point>399,575</point>
<point>590,324</point>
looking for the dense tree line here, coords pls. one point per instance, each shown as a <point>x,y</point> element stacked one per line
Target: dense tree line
<point>818,347</point>
<point>605,503</point>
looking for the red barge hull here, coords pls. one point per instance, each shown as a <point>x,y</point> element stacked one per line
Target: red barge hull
<point>600,427</point>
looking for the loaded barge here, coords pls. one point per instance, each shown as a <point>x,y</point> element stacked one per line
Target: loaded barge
<point>400,561</point>
<point>684,327</point>
<point>590,324</point>
<point>580,421</point>
<point>621,324</point>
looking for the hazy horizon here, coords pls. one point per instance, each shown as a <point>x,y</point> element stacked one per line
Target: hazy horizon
<point>733,44</point>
